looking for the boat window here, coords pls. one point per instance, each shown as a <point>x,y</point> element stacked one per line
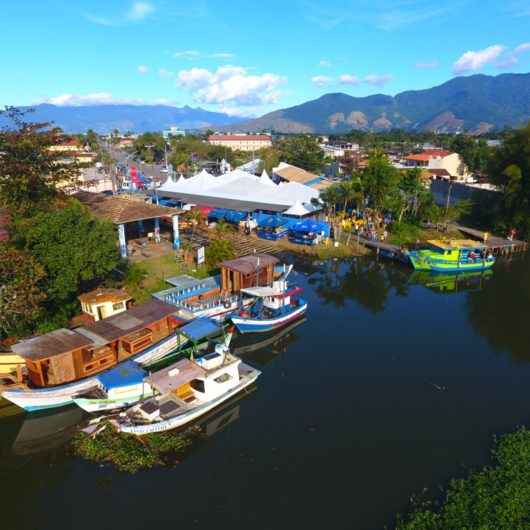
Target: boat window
<point>198,385</point>
<point>223,378</point>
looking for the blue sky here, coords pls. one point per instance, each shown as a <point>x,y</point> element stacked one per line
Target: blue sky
<point>248,57</point>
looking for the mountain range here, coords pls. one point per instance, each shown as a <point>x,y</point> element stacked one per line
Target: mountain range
<point>135,118</point>
<point>476,103</point>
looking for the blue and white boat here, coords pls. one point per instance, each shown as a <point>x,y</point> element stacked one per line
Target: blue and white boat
<point>274,308</point>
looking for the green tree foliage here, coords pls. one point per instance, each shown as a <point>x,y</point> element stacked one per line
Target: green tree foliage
<point>91,140</point>
<point>302,151</point>
<point>20,295</point>
<point>75,250</point>
<point>380,180</point>
<point>495,498</point>
<point>217,251</point>
<point>510,169</point>
<point>149,147</point>
<point>29,171</point>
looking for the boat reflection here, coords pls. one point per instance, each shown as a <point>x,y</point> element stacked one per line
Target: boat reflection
<point>262,349</point>
<point>451,283</point>
<point>46,431</point>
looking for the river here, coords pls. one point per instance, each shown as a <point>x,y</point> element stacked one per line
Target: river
<point>396,382</point>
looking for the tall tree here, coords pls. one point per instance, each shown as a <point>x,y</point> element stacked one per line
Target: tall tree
<point>74,248</point>
<point>31,173</point>
<point>302,151</point>
<point>20,295</point>
<point>510,169</point>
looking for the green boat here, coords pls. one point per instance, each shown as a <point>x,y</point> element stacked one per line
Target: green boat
<point>457,255</point>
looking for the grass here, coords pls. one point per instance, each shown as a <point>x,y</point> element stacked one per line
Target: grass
<point>130,453</point>
<point>408,233</point>
<point>494,498</point>
<point>157,270</point>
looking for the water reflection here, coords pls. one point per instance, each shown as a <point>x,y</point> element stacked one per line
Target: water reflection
<point>499,312</point>
<point>498,300</point>
<point>366,281</point>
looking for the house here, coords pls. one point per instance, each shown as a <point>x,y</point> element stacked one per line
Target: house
<point>104,303</point>
<point>440,164</point>
<point>241,142</point>
<point>70,151</point>
<point>172,131</point>
<point>289,173</point>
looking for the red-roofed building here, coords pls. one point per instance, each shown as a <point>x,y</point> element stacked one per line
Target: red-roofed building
<point>241,142</point>
<point>440,163</point>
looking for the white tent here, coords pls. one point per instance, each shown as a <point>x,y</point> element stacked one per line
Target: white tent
<point>238,189</point>
<point>299,210</point>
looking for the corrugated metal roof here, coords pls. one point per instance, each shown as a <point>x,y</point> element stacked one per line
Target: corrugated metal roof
<point>249,264</point>
<point>53,343</point>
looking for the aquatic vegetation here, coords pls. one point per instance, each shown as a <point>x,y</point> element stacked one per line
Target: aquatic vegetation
<point>495,497</point>
<point>130,453</point>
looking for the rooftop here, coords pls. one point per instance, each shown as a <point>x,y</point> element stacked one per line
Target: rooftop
<point>294,174</point>
<point>250,264</point>
<point>453,244</point>
<point>239,137</point>
<point>97,334</point>
<point>100,296</point>
<point>120,210</point>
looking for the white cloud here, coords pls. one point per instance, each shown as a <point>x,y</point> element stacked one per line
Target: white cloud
<point>427,65</point>
<point>522,48</point>
<point>95,98</point>
<point>191,55</point>
<point>140,11</point>
<point>321,80</point>
<point>230,86</point>
<point>377,79</point>
<point>472,61</point>
<point>324,63</point>
<point>187,54</point>
<point>165,74</point>
<point>137,12</point>
<point>143,69</point>
<point>349,79</point>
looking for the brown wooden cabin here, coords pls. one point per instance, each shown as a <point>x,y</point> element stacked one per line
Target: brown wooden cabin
<point>65,355</point>
<point>249,271</point>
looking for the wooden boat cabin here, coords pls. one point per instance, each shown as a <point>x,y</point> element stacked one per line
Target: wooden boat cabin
<point>104,303</point>
<point>249,271</point>
<point>65,355</point>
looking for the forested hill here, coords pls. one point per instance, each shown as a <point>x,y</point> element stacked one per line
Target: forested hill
<point>476,103</point>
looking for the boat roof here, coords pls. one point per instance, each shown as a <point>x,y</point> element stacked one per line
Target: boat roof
<point>200,328</point>
<point>453,244</point>
<point>262,292</point>
<point>125,374</point>
<point>250,264</point>
<point>175,376</point>
<point>94,335</point>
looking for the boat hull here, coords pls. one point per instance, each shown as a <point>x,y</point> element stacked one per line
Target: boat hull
<point>36,399</point>
<point>102,405</point>
<point>421,263</point>
<point>250,325</point>
<point>193,414</point>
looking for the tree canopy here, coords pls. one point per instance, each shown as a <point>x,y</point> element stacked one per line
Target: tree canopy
<point>510,169</point>
<point>302,151</point>
<point>73,248</point>
<point>30,172</point>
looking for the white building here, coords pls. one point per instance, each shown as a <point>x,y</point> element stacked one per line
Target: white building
<point>241,142</point>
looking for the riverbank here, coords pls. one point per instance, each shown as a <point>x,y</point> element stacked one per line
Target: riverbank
<point>496,497</point>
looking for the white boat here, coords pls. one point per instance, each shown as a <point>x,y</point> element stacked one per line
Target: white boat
<point>275,307</point>
<point>125,385</point>
<point>187,390</point>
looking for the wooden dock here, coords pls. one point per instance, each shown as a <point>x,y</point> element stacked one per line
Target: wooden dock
<point>386,250</point>
<point>497,245</point>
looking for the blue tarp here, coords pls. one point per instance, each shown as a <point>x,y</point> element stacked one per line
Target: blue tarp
<point>230,216</point>
<point>125,374</point>
<point>200,328</point>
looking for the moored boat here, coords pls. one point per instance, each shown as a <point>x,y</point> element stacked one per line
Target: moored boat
<point>274,308</point>
<point>186,391</point>
<point>452,256</point>
<point>65,363</point>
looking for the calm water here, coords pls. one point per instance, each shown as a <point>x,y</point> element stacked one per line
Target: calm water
<point>395,383</point>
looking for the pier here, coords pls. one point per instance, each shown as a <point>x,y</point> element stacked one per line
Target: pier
<point>499,246</point>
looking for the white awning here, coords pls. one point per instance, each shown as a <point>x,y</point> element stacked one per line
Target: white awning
<point>261,292</point>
